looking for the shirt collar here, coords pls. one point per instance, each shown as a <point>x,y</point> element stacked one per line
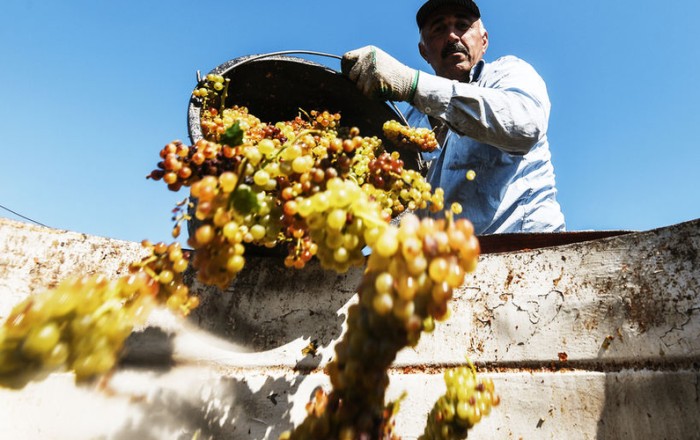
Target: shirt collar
<point>475,73</point>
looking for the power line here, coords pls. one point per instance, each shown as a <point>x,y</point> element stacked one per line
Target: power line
<point>24,217</point>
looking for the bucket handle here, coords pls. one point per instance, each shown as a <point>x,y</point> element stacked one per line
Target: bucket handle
<point>308,52</point>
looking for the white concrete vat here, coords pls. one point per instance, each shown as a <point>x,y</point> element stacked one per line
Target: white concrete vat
<point>599,339</point>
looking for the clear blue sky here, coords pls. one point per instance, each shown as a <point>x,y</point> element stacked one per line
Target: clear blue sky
<point>91,90</point>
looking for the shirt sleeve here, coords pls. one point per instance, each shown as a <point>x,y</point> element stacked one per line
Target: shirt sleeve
<point>507,107</point>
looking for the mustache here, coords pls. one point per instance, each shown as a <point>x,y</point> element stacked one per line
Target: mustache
<point>454,47</point>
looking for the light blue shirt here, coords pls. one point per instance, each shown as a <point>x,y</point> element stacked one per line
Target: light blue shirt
<point>497,128</point>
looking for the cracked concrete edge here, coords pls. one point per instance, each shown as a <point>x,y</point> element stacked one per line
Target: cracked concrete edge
<point>35,258</point>
<point>589,303</point>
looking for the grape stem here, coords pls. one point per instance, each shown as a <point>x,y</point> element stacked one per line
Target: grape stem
<point>107,306</point>
<point>291,142</point>
<point>287,145</point>
<point>239,173</point>
<point>369,219</point>
<point>224,95</point>
<point>305,114</point>
<point>144,265</point>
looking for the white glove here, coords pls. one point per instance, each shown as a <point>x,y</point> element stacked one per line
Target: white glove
<point>379,75</point>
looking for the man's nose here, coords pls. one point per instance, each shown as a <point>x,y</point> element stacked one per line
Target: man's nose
<point>453,33</point>
<point>453,36</point>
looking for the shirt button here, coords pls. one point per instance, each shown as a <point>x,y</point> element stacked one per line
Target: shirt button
<point>428,109</point>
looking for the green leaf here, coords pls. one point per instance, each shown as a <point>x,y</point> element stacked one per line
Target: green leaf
<point>233,136</point>
<point>244,199</point>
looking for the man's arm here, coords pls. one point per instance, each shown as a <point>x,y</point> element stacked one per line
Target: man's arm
<point>507,108</point>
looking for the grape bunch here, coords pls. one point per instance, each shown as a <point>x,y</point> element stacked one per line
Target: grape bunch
<point>415,267</point>
<point>274,184</point>
<point>183,165</point>
<point>415,138</point>
<point>408,283</point>
<point>165,265</point>
<point>216,123</point>
<point>340,220</point>
<point>81,324</point>
<point>211,82</point>
<point>212,91</point>
<point>385,170</point>
<point>221,229</point>
<point>325,119</point>
<point>397,189</point>
<point>466,401</point>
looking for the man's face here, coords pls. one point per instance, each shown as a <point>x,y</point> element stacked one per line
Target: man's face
<point>452,42</point>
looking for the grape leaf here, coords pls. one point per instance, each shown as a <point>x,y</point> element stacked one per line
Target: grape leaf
<point>244,199</point>
<point>233,136</point>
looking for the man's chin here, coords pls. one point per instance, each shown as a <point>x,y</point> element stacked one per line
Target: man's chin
<point>457,73</point>
<point>459,56</point>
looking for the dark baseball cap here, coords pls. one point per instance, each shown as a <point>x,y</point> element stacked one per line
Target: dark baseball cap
<point>431,5</point>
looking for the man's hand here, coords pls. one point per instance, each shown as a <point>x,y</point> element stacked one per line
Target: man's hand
<point>380,75</point>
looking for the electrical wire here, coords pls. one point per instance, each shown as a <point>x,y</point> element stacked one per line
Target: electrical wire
<point>22,216</point>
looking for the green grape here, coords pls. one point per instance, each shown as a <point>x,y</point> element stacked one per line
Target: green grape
<point>261,177</point>
<point>384,283</point>
<point>41,340</point>
<point>387,243</point>
<point>466,401</point>
<point>336,219</point>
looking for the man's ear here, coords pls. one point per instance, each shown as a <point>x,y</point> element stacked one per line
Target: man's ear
<point>423,52</point>
<point>485,41</point>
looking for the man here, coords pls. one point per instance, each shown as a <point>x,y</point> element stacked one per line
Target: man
<point>489,118</point>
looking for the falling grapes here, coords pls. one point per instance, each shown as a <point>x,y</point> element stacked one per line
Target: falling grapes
<point>409,281</point>
<point>465,402</point>
<point>318,190</point>
<point>276,185</point>
<point>81,325</point>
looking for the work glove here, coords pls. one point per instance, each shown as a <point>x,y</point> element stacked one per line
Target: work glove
<point>379,75</point>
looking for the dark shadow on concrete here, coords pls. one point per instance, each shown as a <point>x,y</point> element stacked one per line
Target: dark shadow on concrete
<point>150,348</point>
<point>644,405</point>
<point>269,305</point>
<point>221,409</point>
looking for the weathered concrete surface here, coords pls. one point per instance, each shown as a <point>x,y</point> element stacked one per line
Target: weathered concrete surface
<point>176,403</point>
<point>33,258</point>
<point>590,340</point>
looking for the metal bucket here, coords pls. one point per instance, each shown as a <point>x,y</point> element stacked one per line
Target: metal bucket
<point>274,87</point>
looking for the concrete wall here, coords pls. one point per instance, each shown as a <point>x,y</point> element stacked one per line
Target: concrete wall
<point>589,340</point>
